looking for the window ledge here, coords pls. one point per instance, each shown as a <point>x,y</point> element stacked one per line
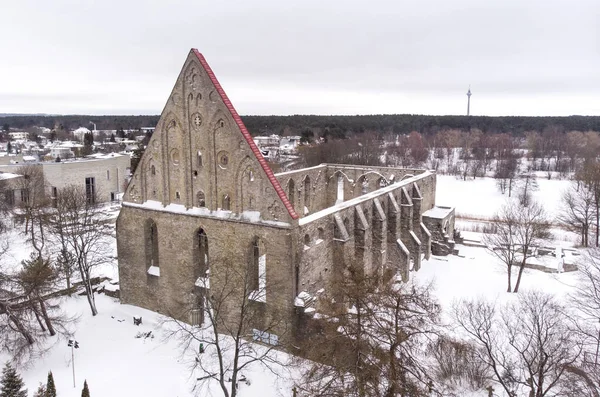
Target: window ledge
<point>154,271</point>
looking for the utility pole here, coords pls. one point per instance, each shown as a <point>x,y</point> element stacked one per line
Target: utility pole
<point>469,102</point>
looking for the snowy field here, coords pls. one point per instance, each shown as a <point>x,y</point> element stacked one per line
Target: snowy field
<point>480,198</point>
<point>115,362</point>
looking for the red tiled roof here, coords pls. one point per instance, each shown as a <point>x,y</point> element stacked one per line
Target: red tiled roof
<point>247,136</point>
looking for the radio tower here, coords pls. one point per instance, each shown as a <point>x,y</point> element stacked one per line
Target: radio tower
<point>469,102</point>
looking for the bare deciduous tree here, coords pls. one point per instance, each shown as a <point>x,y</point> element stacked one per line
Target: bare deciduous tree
<point>527,344</point>
<point>231,327</point>
<point>518,230</point>
<point>77,224</point>
<point>578,211</point>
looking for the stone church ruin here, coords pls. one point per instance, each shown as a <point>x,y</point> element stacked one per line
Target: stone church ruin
<point>203,199</point>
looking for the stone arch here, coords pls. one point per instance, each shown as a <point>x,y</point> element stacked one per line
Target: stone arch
<point>291,191</point>
<point>151,180</point>
<point>339,178</point>
<point>307,194</point>
<point>244,178</point>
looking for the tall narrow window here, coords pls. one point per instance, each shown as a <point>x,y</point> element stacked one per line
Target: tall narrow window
<point>340,189</point>
<point>90,190</point>
<point>202,253</point>
<point>54,196</point>
<point>257,271</point>
<point>199,159</point>
<point>291,191</point>
<point>153,170</point>
<point>107,175</point>
<point>25,196</point>
<point>151,241</point>
<point>10,197</point>
<point>306,194</point>
<point>253,271</point>
<point>226,205</point>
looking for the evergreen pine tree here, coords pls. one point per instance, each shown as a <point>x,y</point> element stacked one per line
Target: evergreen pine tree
<point>50,387</point>
<point>85,392</point>
<point>11,384</point>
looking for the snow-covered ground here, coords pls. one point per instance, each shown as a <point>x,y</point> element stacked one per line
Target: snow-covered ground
<point>481,198</point>
<point>115,362</point>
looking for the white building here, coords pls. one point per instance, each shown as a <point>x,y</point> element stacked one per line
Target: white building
<point>19,136</point>
<point>105,175</point>
<point>64,150</point>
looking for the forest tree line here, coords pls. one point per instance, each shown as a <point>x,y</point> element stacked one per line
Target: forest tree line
<point>334,126</point>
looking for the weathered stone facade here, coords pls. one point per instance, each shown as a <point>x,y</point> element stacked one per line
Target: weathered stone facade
<point>203,200</point>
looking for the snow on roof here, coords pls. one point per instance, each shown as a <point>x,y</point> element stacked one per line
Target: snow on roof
<point>247,216</point>
<point>8,175</point>
<point>438,212</point>
<point>247,136</point>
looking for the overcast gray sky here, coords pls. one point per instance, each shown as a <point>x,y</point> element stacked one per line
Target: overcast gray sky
<point>521,57</point>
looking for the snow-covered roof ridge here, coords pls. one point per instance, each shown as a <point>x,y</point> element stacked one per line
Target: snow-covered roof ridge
<point>246,216</point>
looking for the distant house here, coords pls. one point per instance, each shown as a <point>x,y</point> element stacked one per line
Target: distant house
<point>106,175</point>
<point>9,189</point>
<point>19,136</point>
<point>289,145</point>
<point>64,150</point>
<point>80,132</point>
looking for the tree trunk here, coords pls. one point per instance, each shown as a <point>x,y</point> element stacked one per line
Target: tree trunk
<point>509,273</point>
<point>87,283</point>
<point>521,268</point>
<point>37,315</point>
<point>17,322</point>
<point>46,317</point>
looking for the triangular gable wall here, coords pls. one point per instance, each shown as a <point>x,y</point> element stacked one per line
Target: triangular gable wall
<point>202,155</point>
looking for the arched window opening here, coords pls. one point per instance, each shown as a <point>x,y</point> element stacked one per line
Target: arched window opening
<point>291,191</point>
<point>257,271</point>
<point>226,203</point>
<point>365,185</point>
<point>250,176</point>
<point>307,194</point>
<point>382,182</point>
<point>306,241</point>
<point>153,170</point>
<point>200,199</point>
<point>254,271</point>
<point>151,240</point>
<point>199,159</point>
<point>340,189</point>
<point>202,261</point>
